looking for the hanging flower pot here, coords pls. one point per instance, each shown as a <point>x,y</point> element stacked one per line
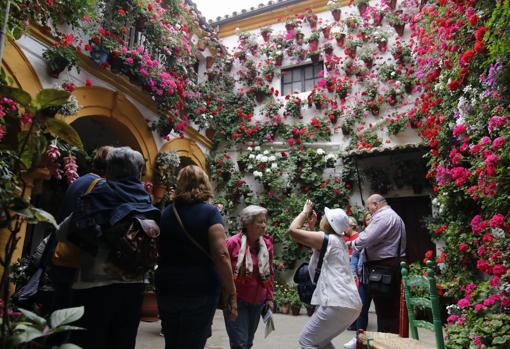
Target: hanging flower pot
<point>209,61</point>
<point>254,50</point>
<point>382,45</point>
<point>315,58</point>
<point>340,39</point>
<point>278,60</point>
<point>392,4</point>
<point>399,28</point>
<point>318,105</point>
<point>115,63</point>
<point>362,8</point>
<point>210,132</point>
<point>259,97</point>
<point>337,13</point>
<point>299,38</point>
<point>269,77</point>
<point>333,118</point>
<point>57,66</point>
<point>328,49</point>
<point>99,56</point>
<point>228,66</point>
<point>423,3</point>
<point>368,62</point>
<point>350,52</point>
<point>265,36</point>
<point>330,86</point>
<point>375,110</point>
<point>314,45</point>
<point>325,32</point>
<point>378,18</point>
<point>290,27</point>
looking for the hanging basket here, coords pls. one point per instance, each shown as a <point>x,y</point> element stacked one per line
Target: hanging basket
<point>399,28</point>
<point>337,14</point>
<point>362,8</point>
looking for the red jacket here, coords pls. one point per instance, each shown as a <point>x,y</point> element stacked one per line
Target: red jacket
<point>252,290</point>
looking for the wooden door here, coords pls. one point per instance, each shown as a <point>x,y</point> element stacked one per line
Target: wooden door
<point>413,211</point>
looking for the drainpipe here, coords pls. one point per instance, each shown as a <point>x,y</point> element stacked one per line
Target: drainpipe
<point>4,29</point>
<point>359,181</point>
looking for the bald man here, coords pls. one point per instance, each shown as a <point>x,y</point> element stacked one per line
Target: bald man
<point>384,241</point>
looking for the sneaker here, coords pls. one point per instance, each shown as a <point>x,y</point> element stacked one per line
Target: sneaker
<point>351,344</point>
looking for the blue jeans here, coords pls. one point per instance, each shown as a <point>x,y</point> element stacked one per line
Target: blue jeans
<point>242,330</point>
<point>186,322</point>
<point>366,299</point>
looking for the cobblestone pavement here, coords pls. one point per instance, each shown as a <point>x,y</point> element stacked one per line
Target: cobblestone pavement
<point>285,336</point>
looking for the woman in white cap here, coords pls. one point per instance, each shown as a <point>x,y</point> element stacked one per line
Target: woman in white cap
<point>336,294</point>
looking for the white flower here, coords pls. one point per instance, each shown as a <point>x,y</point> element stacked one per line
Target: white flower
<point>264,159</point>
<point>268,170</point>
<point>257,148</point>
<point>259,157</point>
<point>251,156</point>
<point>266,152</point>
<point>498,232</point>
<point>249,149</point>
<point>257,174</point>
<point>274,165</point>
<point>330,157</point>
<point>320,151</point>
<point>272,158</point>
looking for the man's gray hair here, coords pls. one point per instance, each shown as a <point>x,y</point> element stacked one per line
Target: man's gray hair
<point>353,222</point>
<point>124,162</point>
<point>377,198</point>
<point>249,213</point>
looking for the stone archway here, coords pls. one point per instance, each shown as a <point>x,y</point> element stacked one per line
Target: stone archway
<point>99,102</point>
<point>19,69</point>
<point>186,148</point>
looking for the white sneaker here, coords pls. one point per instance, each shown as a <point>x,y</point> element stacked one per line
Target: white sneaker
<point>351,344</point>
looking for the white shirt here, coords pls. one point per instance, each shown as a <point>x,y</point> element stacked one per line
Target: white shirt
<point>336,286</point>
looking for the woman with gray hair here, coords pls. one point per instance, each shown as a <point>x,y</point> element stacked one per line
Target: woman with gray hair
<point>251,254</point>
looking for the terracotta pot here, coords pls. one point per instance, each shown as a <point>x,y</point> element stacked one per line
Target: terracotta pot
<point>350,53</point>
<point>314,45</point>
<point>362,8</point>
<point>399,28</point>
<point>284,308</point>
<point>337,13</point>
<point>149,307</point>
<point>265,36</point>
<point>392,4</point>
<point>310,309</point>
<point>209,61</point>
<point>383,46</point>
<point>369,63</point>
<point>326,32</point>
<point>340,40</point>
<point>158,192</point>
<point>299,38</point>
<point>269,77</point>
<point>290,27</point>
<point>313,24</point>
<point>378,18</point>
<point>295,309</point>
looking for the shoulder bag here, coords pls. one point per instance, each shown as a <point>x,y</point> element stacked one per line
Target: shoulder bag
<point>306,286</point>
<point>381,279</point>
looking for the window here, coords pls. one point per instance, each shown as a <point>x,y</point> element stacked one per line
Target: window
<point>301,79</point>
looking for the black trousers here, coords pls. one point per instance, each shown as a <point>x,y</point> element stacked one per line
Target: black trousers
<point>111,318</point>
<point>387,306</point>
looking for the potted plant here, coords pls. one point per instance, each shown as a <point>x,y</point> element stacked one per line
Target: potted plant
<point>313,40</point>
<point>268,71</point>
<point>59,58</point>
<point>335,9</point>
<point>317,98</point>
<point>165,170</point>
<point>397,22</point>
<point>381,39</point>
<point>260,90</point>
<point>290,24</point>
<point>362,6</point>
<point>311,19</point>
<point>340,39</point>
<point>402,54</point>
<point>293,107</point>
<point>295,302</point>
<point>377,17</point>
<point>326,29</point>
<point>368,57</point>
<point>149,312</point>
<point>266,33</point>
<point>281,297</point>
<point>350,48</point>
<point>299,36</point>
<point>352,23</point>
<point>328,48</point>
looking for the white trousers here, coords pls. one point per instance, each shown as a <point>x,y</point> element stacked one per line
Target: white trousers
<point>324,325</point>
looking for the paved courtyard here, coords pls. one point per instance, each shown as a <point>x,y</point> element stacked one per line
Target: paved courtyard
<point>285,336</point>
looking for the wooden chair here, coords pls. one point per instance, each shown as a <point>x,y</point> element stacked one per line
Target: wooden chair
<point>378,340</point>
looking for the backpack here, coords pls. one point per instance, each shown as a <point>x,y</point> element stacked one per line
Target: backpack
<point>133,244</point>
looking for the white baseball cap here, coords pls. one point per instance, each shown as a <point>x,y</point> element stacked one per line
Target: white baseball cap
<point>337,219</point>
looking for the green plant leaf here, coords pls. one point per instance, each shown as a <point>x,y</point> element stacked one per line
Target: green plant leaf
<point>33,317</point>
<point>51,98</point>
<point>64,131</point>
<point>65,316</point>
<point>43,216</point>
<point>26,333</point>
<point>20,96</point>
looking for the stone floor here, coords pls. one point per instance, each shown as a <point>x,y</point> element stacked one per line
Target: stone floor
<point>285,336</point>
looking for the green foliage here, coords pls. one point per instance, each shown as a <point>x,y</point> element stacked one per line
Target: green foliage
<point>166,166</point>
<point>60,58</point>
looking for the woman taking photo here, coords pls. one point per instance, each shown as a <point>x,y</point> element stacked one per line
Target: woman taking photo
<point>251,253</point>
<point>335,294</point>
<point>193,263</point>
